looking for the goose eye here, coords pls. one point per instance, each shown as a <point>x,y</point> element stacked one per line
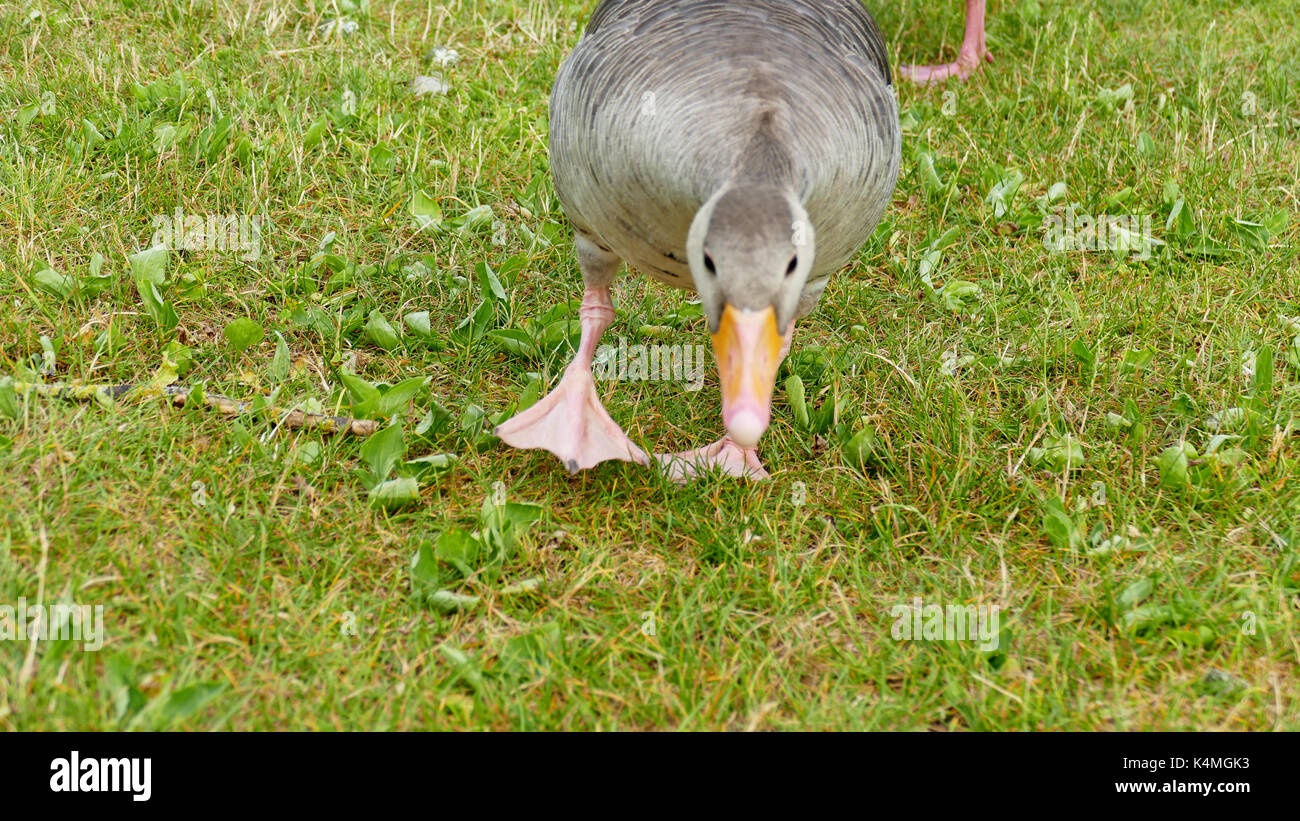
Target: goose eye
<point>708,264</point>
<point>794,263</point>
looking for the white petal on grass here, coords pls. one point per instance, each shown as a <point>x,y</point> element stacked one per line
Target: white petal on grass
<point>433,84</point>
<point>950,362</point>
<point>1229,419</point>
<point>443,56</point>
<point>343,25</point>
<point>1248,364</point>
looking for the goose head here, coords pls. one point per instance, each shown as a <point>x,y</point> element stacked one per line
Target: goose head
<point>750,249</point>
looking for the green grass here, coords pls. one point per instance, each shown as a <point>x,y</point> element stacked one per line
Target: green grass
<point>228,604</point>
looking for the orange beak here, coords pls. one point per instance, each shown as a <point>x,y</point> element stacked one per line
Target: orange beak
<point>748,348</point>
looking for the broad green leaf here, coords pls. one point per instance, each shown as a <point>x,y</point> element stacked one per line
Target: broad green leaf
<point>425,211</point>
<point>514,341</point>
<point>425,572</point>
<point>1004,193</point>
<point>1079,348</point>
<point>159,309</point>
<point>243,333</point>
<point>122,690</point>
<point>1058,453</point>
<point>1115,98</point>
<point>531,653</point>
<point>383,451</point>
<point>476,219</point>
<point>462,664</point>
<point>1172,193</point>
<point>489,282</point>
<point>1119,198</point>
<point>458,549</point>
<point>315,134</point>
<point>395,399</point>
<point>434,420</point>
<point>957,293</point>
<point>433,464</point>
<point>1135,593</point>
<point>794,394</point>
<point>149,265</point>
<point>187,701</point>
<point>930,181</point>
<point>27,113</point>
<point>531,393</point>
<point>395,494</point>
<point>244,150</point>
<point>279,367</point>
<point>1180,223</point>
<point>8,399</point>
<point>213,139</point>
<point>860,451</point>
<point>1263,381</point>
<point>90,134</point>
<point>418,324</point>
<point>1134,360</point>
<point>1150,616</point>
<point>1230,419</point>
<point>1060,526</point>
<point>1173,465</point>
<point>1253,235</point>
<point>447,602</point>
<point>382,159</point>
<point>179,355</point>
<point>52,282</point>
<point>307,453</point>
<point>95,283</point>
<point>380,332</point>
<point>363,394</point>
<point>929,264</point>
<point>474,326</point>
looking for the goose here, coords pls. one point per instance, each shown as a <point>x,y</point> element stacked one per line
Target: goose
<point>741,149</point>
<point>970,57</point>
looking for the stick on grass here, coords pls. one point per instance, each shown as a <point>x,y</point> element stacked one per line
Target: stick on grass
<point>179,395</point>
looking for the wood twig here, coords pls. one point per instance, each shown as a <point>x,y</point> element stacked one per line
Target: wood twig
<point>179,395</point>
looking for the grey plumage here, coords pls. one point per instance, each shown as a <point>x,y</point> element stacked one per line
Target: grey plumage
<point>742,148</point>
<point>757,112</point>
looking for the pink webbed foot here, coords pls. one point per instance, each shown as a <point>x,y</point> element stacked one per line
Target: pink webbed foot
<point>723,454</point>
<point>968,63</point>
<point>571,423</point>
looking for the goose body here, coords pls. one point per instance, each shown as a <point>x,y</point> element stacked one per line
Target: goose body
<point>664,101</point>
<point>744,149</point>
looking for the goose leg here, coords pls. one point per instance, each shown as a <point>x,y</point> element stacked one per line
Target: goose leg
<point>570,421</point>
<point>724,454</point>
<point>973,52</point>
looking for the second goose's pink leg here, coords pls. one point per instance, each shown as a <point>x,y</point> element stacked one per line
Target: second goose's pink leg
<point>972,54</point>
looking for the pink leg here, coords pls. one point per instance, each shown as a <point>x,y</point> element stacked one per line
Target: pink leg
<point>973,52</point>
<point>570,421</point>
<point>723,454</point>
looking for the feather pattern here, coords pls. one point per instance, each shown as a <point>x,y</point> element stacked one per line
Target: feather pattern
<point>663,102</point>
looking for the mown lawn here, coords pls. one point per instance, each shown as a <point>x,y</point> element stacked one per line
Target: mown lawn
<point>1102,447</point>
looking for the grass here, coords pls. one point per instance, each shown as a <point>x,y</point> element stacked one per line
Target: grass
<point>249,583</point>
